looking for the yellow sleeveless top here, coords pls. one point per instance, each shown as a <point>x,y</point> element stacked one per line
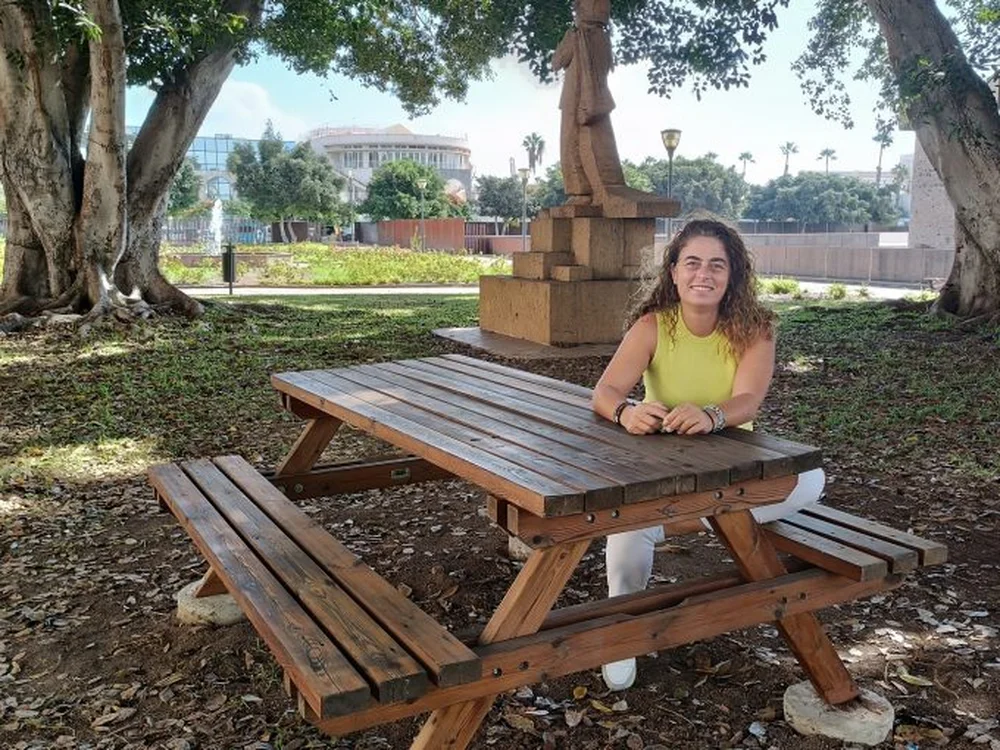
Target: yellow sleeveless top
<point>689,369</point>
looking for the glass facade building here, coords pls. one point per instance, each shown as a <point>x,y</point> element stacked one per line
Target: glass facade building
<point>210,154</point>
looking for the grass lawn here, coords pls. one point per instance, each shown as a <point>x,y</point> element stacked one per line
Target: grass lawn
<point>904,405</point>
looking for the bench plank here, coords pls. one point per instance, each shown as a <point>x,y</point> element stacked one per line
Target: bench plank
<point>449,661</point>
<point>901,559</point>
<point>393,673</point>
<point>930,552</point>
<point>325,678</point>
<point>826,553</point>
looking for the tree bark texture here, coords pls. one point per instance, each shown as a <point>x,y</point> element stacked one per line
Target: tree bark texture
<point>956,119</point>
<point>103,215</point>
<point>82,231</point>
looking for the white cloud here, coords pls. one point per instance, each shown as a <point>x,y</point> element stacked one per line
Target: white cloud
<point>242,109</point>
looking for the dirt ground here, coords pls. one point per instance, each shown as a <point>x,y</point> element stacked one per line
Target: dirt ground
<point>92,657</point>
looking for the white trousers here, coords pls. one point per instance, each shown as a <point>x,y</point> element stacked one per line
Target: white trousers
<point>629,555</point>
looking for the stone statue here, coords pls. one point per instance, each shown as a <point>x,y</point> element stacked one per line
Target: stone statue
<point>592,170</point>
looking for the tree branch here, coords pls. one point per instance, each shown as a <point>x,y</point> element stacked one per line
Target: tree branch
<point>176,115</point>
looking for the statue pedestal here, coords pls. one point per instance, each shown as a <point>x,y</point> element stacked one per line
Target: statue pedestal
<point>577,282</point>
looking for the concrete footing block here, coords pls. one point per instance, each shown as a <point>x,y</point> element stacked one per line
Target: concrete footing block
<point>518,550</point>
<point>867,720</point>
<point>208,610</point>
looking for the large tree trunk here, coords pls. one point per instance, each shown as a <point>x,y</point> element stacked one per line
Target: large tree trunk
<point>956,119</point>
<point>81,233</point>
<point>102,222</point>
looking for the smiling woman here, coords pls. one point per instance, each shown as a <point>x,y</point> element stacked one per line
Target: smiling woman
<point>704,347</point>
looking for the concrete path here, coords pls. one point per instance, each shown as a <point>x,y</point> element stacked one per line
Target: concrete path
<point>305,291</point>
<point>813,287</point>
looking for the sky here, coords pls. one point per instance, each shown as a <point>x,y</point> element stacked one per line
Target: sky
<point>498,113</point>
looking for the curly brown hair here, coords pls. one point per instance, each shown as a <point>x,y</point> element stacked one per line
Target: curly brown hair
<point>742,318</point>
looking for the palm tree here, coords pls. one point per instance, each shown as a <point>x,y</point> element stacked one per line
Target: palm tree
<point>884,140</point>
<point>788,149</point>
<point>827,153</point>
<point>534,144</point>
<point>745,157</point>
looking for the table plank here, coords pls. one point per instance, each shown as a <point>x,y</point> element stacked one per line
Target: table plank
<point>531,377</point>
<point>629,466</point>
<point>694,472</point>
<point>598,491</point>
<point>525,487</point>
<point>778,457</point>
<point>512,428</point>
<point>736,463</point>
<point>540,386</point>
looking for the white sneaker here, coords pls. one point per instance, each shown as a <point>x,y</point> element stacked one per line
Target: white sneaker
<point>619,675</point>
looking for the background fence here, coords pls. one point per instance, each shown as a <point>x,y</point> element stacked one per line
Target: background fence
<point>844,256</point>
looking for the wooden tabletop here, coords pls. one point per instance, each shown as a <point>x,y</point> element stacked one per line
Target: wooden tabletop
<point>530,439</point>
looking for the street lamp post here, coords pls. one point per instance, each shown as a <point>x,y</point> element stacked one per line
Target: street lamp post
<point>350,201</point>
<point>671,138</point>
<point>422,184</point>
<point>523,172</point>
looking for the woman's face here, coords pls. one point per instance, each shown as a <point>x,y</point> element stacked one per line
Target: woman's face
<point>701,272</point>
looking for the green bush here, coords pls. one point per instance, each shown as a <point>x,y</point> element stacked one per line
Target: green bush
<point>837,291</point>
<point>864,293</point>
<point>207,271</point>
<point>780,285</point>
<point>314,263</point>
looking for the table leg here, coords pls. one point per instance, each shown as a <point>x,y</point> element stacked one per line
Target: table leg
<point>310,446</point>
<point>757,560</point>
<point>522,611</point>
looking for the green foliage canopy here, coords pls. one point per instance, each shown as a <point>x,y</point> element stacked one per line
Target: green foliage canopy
<point>393,193</point>
<point>184,189</point>
<point>700,184</point>
<point>281,184</point>
<point>503,197</point>
<point>817,198</point>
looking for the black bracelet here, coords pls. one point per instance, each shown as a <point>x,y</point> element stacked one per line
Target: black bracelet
<point>621,408</point>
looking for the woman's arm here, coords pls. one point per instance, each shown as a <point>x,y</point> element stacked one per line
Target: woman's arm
<point>623,372</point>
<point>753,377</point>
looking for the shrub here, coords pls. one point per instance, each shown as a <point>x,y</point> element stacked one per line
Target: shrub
<point>837,291</point>
<point>781,285</point>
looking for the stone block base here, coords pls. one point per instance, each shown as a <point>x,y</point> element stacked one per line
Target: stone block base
<point>572,273</point>
<point>867,720</point>
<point>555,312</point>
<point>538,265</point>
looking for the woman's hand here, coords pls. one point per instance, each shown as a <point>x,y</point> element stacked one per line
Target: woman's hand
<point>687,419</point>
<point>644,418</point>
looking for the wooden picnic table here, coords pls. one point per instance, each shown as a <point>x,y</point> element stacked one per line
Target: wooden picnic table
<point>557,476</point>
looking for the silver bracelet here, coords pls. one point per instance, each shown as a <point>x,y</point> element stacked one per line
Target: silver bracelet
<point>717,416</point>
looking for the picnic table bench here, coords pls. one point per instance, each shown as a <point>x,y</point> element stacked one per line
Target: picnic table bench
<point>357,653</point>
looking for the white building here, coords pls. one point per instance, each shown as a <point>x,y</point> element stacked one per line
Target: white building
<point>357,152</point>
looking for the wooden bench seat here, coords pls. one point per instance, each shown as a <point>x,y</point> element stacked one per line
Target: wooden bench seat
<point>346,638</point>
<point>851,546</point>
